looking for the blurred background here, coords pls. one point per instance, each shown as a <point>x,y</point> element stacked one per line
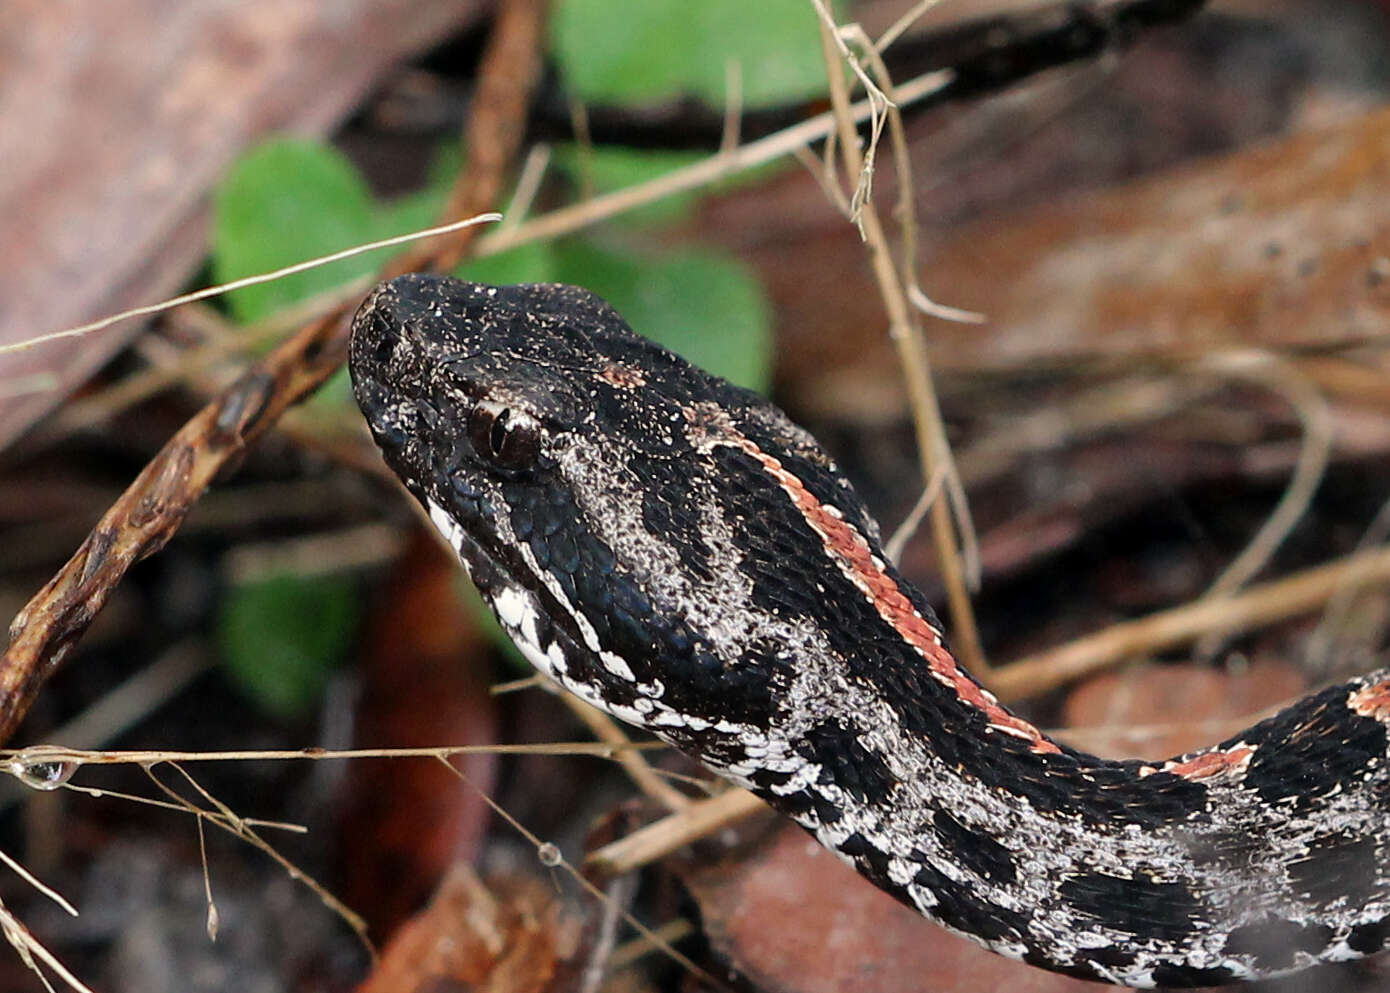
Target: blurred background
<point>1179,245</point>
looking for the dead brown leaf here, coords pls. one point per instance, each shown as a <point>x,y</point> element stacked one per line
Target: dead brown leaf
<point>505,936</point>
<point>794,919</point>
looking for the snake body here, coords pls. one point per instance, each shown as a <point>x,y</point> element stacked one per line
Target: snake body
<point>676,552</point>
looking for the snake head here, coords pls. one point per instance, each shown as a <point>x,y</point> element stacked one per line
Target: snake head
<point>500,394</point>
<point>625,514</point>
<point>532,423</point>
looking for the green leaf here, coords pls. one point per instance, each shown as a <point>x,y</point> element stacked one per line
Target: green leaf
<point>287,201</point>
<point>530,263</point>
<point>617,51</point>
<point>706,307</point>
<point>614,167</point>
<point>281,637</point>
<point>282,203</point>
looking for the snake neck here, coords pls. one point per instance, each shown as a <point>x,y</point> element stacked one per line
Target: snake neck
<point>827,688</point>
<point>678,553</point>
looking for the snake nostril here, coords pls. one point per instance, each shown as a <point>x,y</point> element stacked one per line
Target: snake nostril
<point>386,340</point>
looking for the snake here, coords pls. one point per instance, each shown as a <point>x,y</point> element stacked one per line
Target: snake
<point>674,550</point>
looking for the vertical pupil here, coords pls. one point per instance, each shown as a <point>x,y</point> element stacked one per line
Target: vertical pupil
<point>497,437</point>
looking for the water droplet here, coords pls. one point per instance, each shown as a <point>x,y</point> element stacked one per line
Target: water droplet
<point>549,854</point>
<point>42,774</point>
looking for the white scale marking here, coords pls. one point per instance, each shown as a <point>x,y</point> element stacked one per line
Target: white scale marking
<point>516,612</point>
<point>449,528</point>
<point>612,662</point>
<point>519,614</point>
<point>513,607</point>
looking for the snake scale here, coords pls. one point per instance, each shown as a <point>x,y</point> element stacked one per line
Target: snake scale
<point>675,551</point>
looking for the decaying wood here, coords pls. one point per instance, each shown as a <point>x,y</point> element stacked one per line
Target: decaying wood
<point>150,511</point>
<point>112,141</point>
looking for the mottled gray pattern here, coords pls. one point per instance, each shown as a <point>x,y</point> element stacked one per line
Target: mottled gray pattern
<point>676,552</point>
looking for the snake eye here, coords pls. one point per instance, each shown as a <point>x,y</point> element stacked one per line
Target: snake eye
<point>507,438</point>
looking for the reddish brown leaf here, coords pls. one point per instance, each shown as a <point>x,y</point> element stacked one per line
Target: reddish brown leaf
<point>1280,246</point>
<point>508,936</point>
<point>1159,711</point>
<point>424,683</point>
<point>794,919</point>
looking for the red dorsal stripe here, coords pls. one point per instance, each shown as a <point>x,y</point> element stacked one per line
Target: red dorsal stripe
<point>850,551</point>
<point>1214,763</point>
<point>1372,701</point>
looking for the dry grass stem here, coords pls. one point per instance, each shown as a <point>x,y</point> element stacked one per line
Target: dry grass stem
<point>731,133</point>
<point>584,147</point>
<point>671,932</point>
<point>608,732</point>
<point>1103,410</point>
<point>663,837</point>
<point>347,550</point>
<point>893,547</point>
<point>227,819</point>
<point>213,917</point>
<point>35,382</point>
<point>1315,453</point>
<point>594,891</point>
<point>537,681</point>
<point>30,948</point>
<point>14,760</point>
<point>180,808</point>
<point>942,311</point>
<point>81,413</point>
<point>33,881</point>
<point>822,170</point>
<point>567,220</point>
<point>862,174</point>
<point>905,330</point>
<point>238,284</point>
<point>907,193</point>
<point>618,898</point>
<point>898,27</point>
<point>528,184</point>
<point>1322,644</point>
<point>1295,594</point>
